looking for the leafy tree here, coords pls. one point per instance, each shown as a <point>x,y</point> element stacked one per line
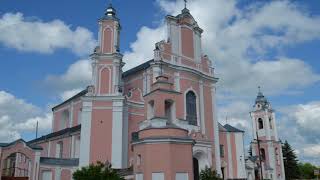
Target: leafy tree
<point>290,162</point>
<point>307,170</point>
<point>97,171</point>
<point>209,174</point>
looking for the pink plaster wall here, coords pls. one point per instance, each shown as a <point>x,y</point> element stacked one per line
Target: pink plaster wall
<point>163,132</point>
<point>76,113</point>
<point>187,42</point>
<point>223,141</point>
<point>234,154</point>
<point>66,174</point>
<point>66,147</point>
<point>101,135</point>
<point>107,36</point>
<point>166,158</point>
<point>106,75</point>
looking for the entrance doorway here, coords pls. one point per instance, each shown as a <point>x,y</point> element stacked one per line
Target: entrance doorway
<point>196,169</point>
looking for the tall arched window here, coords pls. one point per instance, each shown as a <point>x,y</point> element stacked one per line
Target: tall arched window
<point>191,107</point>
<point>260,122</point>
<point>65,117</point>
<point>263,154</point>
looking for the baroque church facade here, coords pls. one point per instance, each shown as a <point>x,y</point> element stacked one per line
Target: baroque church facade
<point>156,121</point>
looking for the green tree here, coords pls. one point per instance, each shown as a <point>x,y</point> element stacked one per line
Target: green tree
<point>209,174</point>
<point>290,162</point>
<point>97,171</point>
<point>307,170</point>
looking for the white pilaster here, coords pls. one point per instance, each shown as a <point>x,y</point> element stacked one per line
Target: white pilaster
<point>272,160</point>
<point>156,72</point>
<point>282,165</point>
<point>49,149</point>
<point>230,165</point>
<point>177,81</point>
<point>254,125</point>
<point>85,133</point>
<point>71,114</point>
<point>240,156</point>
<point>216,132</point>
<point>274,125</point>
<point>119,131</point>
<point>267,125</point>
<point>202,117</point>
<point>72,147</point>
<point>36,165</point>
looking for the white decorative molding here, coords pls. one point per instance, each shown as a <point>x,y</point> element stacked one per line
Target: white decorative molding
<point>85,146</point>
<point>216,131</point>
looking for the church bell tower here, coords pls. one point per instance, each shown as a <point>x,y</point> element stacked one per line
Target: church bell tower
<point>107,60</point>
<point>266,145</point>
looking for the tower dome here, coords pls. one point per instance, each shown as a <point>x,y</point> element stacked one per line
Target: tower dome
<point>110,11</point>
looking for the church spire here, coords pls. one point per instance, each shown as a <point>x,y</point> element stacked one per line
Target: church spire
<point>110,11</point>
<point>185,9</point>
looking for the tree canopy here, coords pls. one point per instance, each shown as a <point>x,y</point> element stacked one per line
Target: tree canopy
<point>209,174</point>
<point>306,170</point>
<point>290,161</point>
<point>97,171</point>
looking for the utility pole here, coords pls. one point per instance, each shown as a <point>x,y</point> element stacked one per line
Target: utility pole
<point>260,158</point>
<point>37,129</point>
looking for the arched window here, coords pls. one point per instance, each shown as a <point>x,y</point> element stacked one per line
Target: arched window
<point>191,107</point>
<point>263,154</point>
<point>260,122</point>
<point>270,123</point>
<point>64,119</point>
<point>168,106</point>
<point>150,110</point>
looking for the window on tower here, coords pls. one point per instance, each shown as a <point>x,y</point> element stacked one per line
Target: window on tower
<point>270,123</point>
<point>221,150</point>
<point>263,154</point>
<point>260,123</point>
<point>191,107</point>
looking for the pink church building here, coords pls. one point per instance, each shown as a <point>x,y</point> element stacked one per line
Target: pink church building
<point>156,121</point>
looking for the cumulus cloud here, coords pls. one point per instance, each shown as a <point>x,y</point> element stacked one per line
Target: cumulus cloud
<point>305,117</point>
<point>16,31</point>
<point>312,150</point>
<point>239,39</point>
<point>142,48</point>
<point>75,79</point>
<point>17,116</point>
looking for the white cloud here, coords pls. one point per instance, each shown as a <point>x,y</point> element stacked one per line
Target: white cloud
<point>76,78</point>
<point>18,116</point>
<point>236,38</point>
<point>16,31</point>
<point>69,93</point>
<point>312,150</point>
<point>306,117</point>
<point>142,48</point>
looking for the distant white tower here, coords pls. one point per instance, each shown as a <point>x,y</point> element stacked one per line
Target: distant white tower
<point>265,131</point>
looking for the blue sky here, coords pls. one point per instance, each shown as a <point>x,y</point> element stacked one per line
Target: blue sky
<point>274,44</point>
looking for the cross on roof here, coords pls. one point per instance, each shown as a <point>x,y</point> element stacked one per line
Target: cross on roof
<point>185,3</point>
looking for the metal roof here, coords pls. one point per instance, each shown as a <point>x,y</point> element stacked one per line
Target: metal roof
<point>59,161</point>
<point>230,128</point>
<point>58,133</point>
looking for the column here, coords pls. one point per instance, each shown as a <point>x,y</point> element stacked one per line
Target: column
<point>84,159</point>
